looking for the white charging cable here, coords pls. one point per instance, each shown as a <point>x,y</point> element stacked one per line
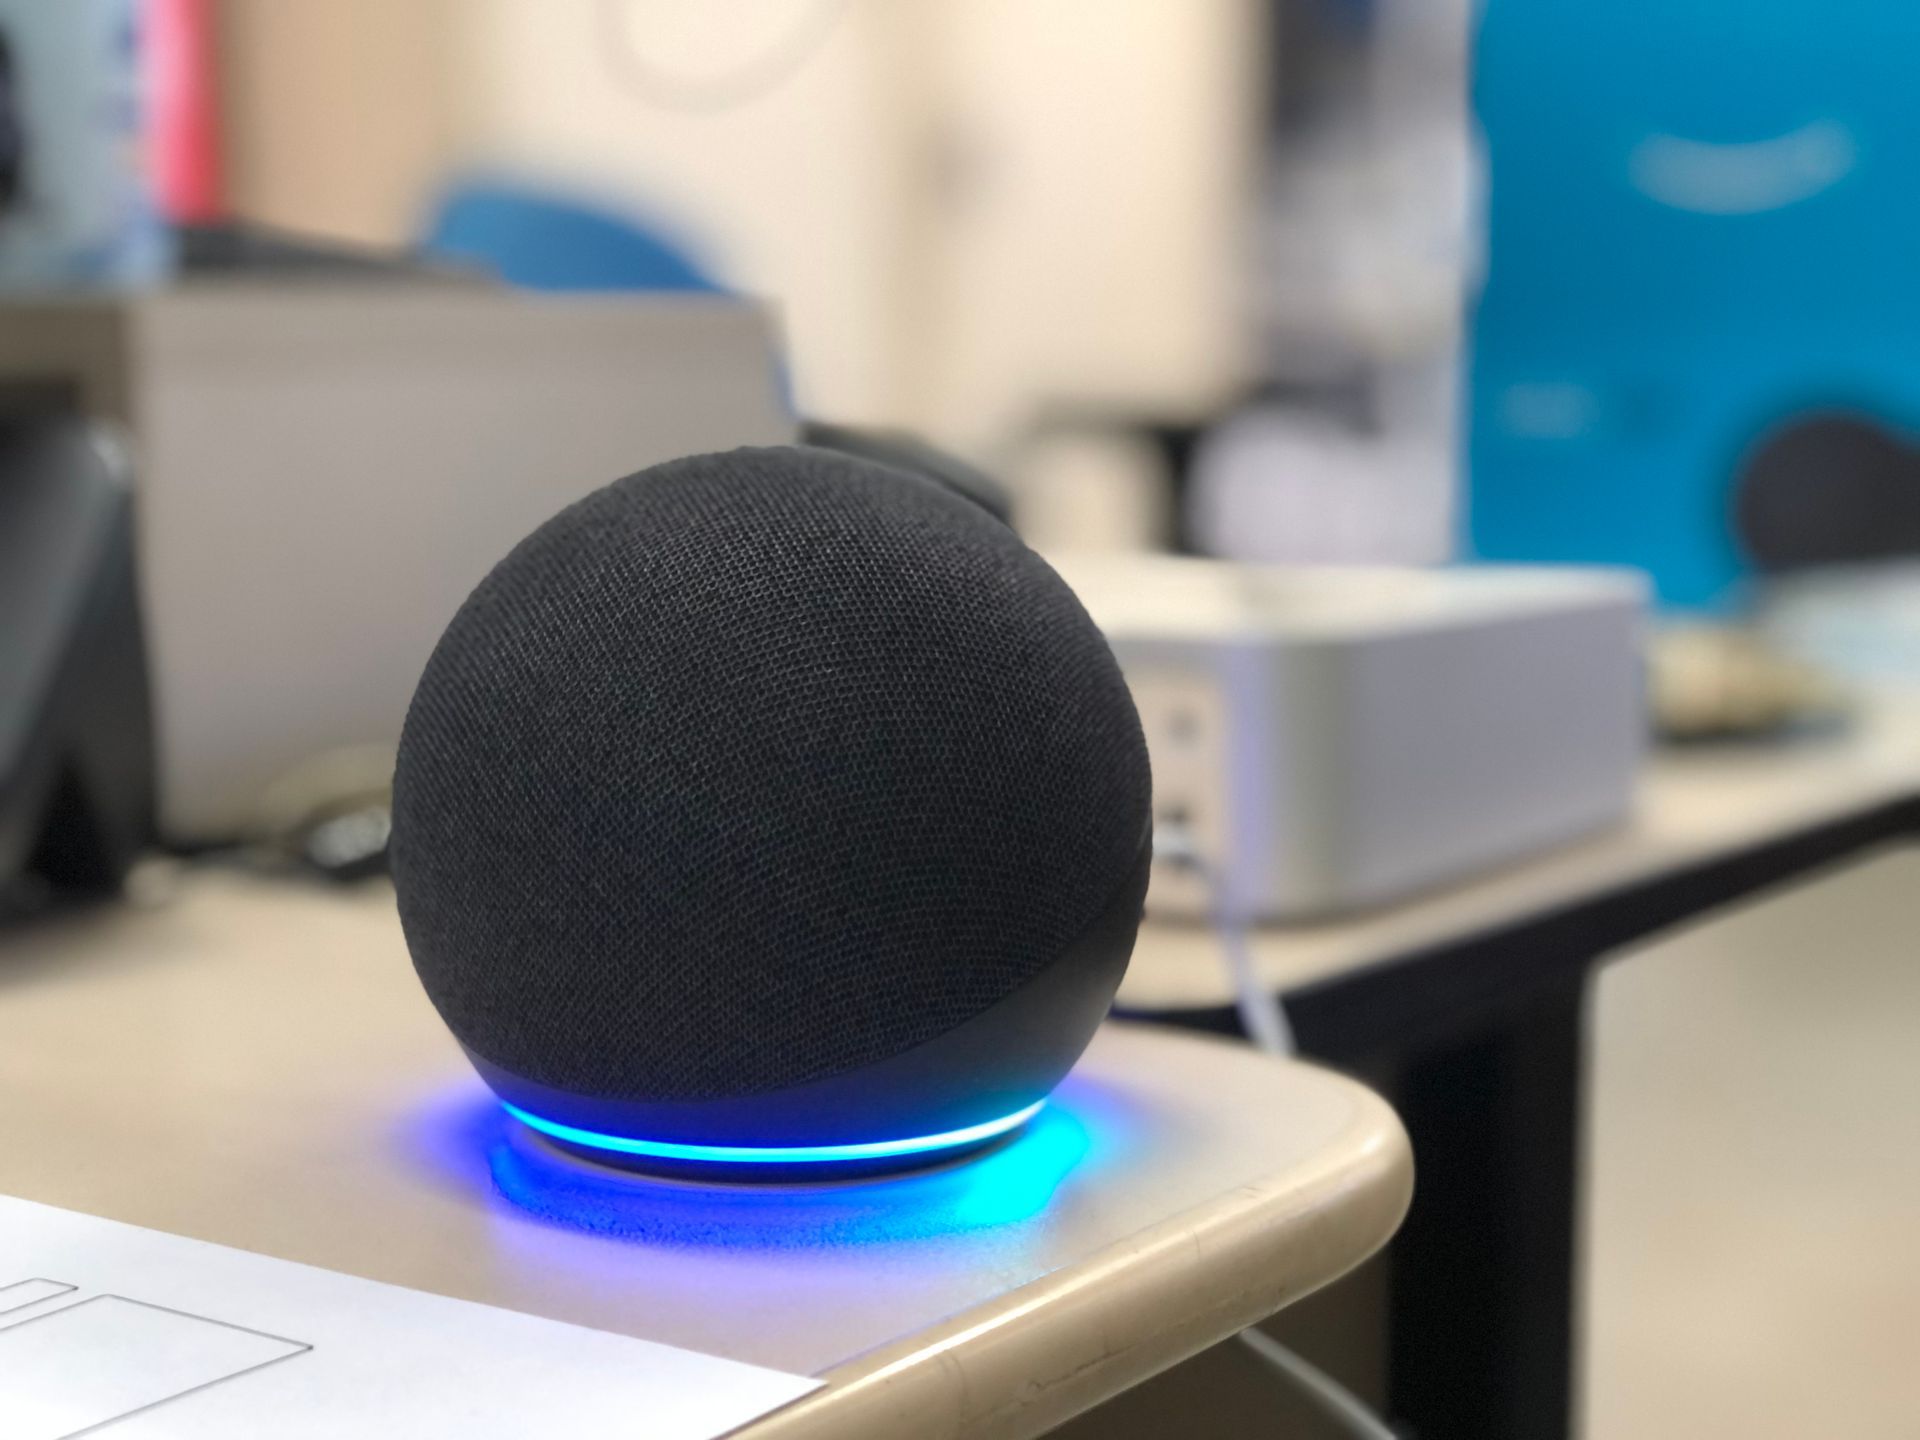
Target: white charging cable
<point>1332,1399</point>
<point>1264,1019</point>
<point>1262,1015</point>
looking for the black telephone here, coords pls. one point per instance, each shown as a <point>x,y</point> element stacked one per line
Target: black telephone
<point>76,733</point>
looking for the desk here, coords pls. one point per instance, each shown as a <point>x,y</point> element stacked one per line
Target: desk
<point>1467,1007</point>
<point>251,1062</point>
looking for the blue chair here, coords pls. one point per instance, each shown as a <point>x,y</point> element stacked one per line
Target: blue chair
<point>547,241</point>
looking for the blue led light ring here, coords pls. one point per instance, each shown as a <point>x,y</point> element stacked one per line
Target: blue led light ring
<point>774,1154</point>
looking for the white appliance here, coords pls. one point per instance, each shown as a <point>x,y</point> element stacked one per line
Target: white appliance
<point>325,467</point>
<point>1328,739</point>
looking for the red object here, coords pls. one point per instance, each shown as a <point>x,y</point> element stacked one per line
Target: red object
<point>184,109</point>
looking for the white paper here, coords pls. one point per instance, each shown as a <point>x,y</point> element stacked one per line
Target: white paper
<point>78,1367</point>
<point>164,1338</point>
<point>23,1293</point>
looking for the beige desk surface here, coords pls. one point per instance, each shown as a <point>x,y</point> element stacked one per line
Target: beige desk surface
<point>251,1062</point>
<point>1693,805</point>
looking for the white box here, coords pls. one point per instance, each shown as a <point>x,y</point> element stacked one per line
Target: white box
<point>1338,738</point>
<point>323,468</point>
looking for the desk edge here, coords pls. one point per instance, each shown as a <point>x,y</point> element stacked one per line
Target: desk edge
<point>1039,1355</point>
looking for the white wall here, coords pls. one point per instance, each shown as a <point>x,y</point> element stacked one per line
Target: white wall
<point>961,205</point>
<point>1095,247</point>
<point>963,208</point>
<point>339,113</point>
<point>794,193</point>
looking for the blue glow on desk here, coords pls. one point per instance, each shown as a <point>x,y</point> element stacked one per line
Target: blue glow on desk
<point>775,1154</point>
<point>476,1145</point>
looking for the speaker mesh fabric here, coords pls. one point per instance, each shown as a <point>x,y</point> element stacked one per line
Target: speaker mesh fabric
<point>752,769</point>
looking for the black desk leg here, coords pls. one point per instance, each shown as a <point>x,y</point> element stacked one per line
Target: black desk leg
<point>1482,1313</point>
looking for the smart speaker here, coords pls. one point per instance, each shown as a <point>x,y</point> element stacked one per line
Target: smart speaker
<point>771,811</point>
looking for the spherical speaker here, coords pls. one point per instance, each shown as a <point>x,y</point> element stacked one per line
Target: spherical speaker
<point>771,808</point>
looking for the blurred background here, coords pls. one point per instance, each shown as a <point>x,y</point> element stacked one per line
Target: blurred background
<point>1373,283</point>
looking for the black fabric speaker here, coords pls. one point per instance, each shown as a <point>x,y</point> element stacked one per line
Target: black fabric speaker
<point>1828,487</point>
<point>771,801</point>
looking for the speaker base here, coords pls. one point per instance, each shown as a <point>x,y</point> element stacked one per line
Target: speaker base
<point>751,1163</point>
